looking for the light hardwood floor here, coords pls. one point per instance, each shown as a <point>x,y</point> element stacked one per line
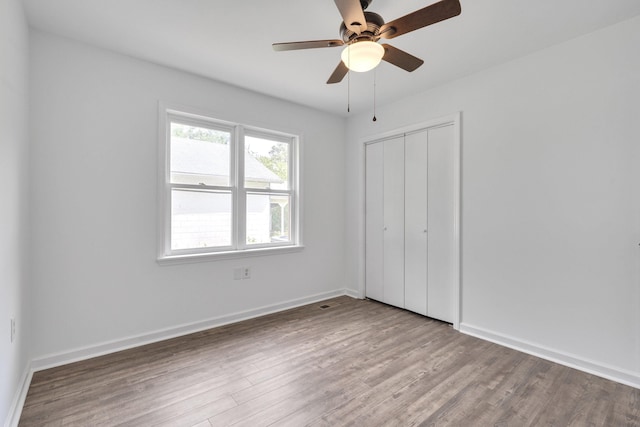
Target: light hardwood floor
<point>356,362</point>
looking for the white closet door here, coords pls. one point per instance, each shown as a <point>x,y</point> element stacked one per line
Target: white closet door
<point>374,224</point>
<point>415,216</point>
<point>440,252</point>
<point>393,252</point>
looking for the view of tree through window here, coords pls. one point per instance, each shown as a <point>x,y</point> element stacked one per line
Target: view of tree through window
<point>199,133</point>
<point>274,155</point>
<point>277,159</point>
<point>209,206</point>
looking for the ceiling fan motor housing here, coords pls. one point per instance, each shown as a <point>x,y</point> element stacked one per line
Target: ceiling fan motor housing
<point>365,4</point>
<point>374,22</point>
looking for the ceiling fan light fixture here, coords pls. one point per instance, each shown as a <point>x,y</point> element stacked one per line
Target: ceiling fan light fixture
<point>362,56</point>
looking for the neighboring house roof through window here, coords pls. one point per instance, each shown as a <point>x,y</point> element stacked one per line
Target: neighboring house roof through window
<point>191,156</point>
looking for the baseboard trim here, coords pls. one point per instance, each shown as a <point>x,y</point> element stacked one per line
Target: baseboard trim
<point>78,354</point>
<point>352,293</point>
<point>13,417</point>
<point>602,370</point>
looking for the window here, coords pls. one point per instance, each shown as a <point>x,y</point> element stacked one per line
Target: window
<point>226,189</point>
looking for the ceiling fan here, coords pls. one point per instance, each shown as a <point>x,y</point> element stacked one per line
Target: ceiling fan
<point>360,32</point>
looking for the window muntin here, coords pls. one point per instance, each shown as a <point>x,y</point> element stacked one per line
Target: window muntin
<point>228,188</point>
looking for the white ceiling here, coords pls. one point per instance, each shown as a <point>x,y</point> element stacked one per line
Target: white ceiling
<point>230,41</point>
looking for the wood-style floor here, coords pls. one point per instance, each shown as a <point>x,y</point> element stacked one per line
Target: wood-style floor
<point>356,363</point>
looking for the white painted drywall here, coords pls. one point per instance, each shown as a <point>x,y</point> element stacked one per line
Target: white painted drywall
<point>550,194</point>
<point>94,153</point>
<point>14,57</point>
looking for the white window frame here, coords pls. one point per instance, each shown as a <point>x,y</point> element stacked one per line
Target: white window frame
<point>239,247</point>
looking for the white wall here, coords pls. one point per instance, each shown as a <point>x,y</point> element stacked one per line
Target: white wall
<point>14,56</point>
<point>550,197</point>
<point>94,151</point>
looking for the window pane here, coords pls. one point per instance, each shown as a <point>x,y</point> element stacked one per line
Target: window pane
<point>266,163</point>
<point>200,219</point>
<point>268,218</point>
<point>199,155</point>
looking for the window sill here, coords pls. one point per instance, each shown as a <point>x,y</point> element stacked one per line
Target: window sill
<point>219,256</point>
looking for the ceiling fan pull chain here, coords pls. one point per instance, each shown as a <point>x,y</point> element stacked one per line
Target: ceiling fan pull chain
<point>374,95</point>
<point>349,86</point>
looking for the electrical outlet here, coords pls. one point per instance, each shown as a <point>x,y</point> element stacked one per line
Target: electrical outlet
<point>246,273</point>
<point>13,329</point>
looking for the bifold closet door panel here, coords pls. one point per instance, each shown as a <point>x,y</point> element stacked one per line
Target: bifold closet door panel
<point>393,192</point>
<point>440,255</point>
<point>415,216</point>
<point>374,224</point>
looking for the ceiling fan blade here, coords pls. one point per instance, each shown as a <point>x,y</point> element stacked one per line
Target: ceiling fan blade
<point>400,58</point>
<point>313,44</point>
<point>352,15</point>
<point>338,74</point>
<point>436,12</point>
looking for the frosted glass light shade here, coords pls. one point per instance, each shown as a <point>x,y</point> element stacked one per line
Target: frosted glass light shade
<point>362,56</point>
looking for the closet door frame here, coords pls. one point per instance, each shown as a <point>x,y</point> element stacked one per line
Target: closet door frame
<point>449,120</point>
